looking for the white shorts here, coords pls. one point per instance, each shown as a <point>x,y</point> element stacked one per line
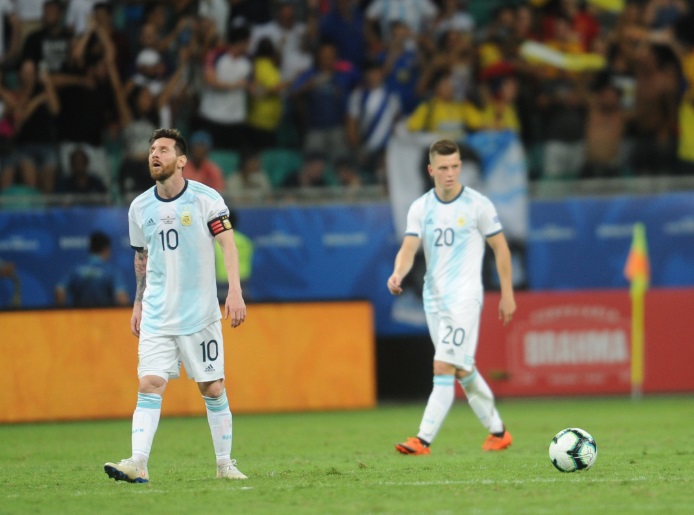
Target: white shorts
<point>455,333</point>
<point>201,353</point>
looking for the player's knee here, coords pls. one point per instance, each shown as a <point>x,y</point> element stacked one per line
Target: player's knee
<point>152,384</point>
<point>462,374</point>
<point>441,368</point>
<point>212,388</point>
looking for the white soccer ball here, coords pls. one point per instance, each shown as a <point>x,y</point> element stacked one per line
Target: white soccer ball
<point>573,449</point>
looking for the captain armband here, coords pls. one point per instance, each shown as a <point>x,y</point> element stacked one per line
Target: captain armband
<point>219,225</point>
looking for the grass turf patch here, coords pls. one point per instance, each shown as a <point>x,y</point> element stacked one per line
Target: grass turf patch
<point>345,462</point>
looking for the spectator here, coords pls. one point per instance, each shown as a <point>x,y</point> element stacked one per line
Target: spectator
<point>199,166</point>
<point>321,94</point>
<point>35,107</point>
<point>29,13</point>
<point>218,11</point>
<point>453,16</point>
<point>685,45</point>
<point>78,14</point>
<point>500,89</point>
<point>417,15</point>
<point>371,115</point>
<point>348,177</point>
<point>157,34</point>
<point>662,14</point>
<point>10,43</point>
<point>454,55</point>
<point>265,111</point>
<point>442,114</point>
<point>19,188</point>
<point>222,111</point>
<point>401,66</point>
<point>88,107</point>
<point>49,46</point>
<point>654,123</point>
<point>139,115</point>
<point>150,72</point>
<point>605,130</point>
<point>250,182</point>
<point>312,173</point>
<point>95,283</point>
<point>89,47</point>
<point>564,112</point>
<point>344,26</point>
<point>289,37</point>
<point>80,181</point>
<point>249,13</point>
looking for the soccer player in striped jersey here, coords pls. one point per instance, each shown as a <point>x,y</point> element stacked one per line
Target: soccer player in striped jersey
<point>453,223</point>
<point>176,315</point>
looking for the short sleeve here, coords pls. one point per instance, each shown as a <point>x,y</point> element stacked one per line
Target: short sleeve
<point>488,220</point>
<point>414,220</point>
<point>215,208</point>
<point>137,237</point>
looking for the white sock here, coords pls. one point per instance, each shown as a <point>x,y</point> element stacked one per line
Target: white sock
<point>440,402</point>
<point>481,400</point>
<point>145,423</point>
<point>219,418</point>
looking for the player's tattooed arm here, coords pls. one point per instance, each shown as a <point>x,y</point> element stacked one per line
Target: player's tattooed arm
<point>140,273</point>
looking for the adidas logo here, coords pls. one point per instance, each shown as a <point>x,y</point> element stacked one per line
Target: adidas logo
<point>209,368</point>
<point>429,221</point>
<point>150,222</point>
<point>450,352</point>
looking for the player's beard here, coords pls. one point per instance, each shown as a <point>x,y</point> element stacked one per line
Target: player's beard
<point>163,173</point>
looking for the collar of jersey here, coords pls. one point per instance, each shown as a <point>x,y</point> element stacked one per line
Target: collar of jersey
<point>449,201</point>
<point>185,187</point>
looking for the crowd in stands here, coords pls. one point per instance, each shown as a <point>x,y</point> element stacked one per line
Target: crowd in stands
<point>288,95</point>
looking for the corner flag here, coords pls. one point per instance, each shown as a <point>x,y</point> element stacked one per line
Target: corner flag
<point>638,271</point>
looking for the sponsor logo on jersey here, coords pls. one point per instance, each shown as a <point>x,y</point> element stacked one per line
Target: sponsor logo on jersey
<point>168,220</point>
<point>186,218</point>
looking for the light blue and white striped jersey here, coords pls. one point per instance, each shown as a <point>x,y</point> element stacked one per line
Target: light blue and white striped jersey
<point>453,236</point>
<point>181,292</point>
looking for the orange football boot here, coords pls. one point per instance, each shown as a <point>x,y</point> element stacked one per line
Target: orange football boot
<point>497,443</point>
<point>414,446</point>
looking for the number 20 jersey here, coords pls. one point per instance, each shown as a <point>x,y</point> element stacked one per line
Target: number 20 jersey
<point>453,235</point>
<point>181,292</point>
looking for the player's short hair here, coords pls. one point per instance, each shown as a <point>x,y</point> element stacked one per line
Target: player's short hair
<point>98,242</point>
<point>181,146</point>
<point>443,147</point>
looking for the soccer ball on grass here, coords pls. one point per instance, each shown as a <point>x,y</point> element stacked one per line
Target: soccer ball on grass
<point>573,449</point>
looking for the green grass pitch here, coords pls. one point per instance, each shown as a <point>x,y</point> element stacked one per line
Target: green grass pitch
<point>345,462</point>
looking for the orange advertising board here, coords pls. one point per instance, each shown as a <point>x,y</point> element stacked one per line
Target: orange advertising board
<point>82,364</point>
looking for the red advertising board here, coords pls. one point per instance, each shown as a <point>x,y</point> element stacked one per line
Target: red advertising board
<point>579,343</point>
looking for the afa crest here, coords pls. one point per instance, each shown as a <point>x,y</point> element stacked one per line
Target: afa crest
<point>186,218</point>
<point>461,221</point>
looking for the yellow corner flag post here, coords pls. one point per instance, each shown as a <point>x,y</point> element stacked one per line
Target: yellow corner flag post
<point>638,271</point>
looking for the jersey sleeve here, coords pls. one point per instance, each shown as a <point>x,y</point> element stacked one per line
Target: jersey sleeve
<point>217,214</point>
<point>414,220</point>
<point>137,236</point>
<point>488,220</point>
